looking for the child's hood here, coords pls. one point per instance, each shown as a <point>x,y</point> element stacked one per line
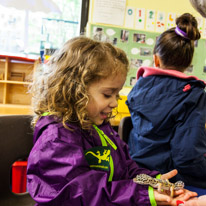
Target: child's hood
<point>149,71</point>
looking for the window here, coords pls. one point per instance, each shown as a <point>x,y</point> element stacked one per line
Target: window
<point>24,32</point>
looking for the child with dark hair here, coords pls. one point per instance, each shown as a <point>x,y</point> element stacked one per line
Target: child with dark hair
<point>77,158</point>
<point>168,108</point>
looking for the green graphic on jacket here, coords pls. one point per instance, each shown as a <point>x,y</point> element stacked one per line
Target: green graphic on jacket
<point>98,157</point>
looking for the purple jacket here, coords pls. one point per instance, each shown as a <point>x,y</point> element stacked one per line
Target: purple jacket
<point>59,174</point>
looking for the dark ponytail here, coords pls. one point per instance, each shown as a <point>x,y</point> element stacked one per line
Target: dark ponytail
<point>188,24</point>
<point>175,47</point>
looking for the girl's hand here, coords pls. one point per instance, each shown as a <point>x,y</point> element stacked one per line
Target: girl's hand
<point>165,199</point>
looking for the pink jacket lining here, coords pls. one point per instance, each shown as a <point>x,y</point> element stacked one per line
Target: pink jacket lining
<point>148,71</point>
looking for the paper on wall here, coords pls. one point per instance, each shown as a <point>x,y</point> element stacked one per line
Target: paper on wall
<point>204,30</point>
<point>140,18</point>
<point>160,23</point>
<point>171,20</point>
<point>129,18</point>
<point>150,22</point>
<point>200,24</point>
<point>109,12</point>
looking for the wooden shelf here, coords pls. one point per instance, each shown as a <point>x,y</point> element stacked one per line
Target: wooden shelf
<point>14,82</point>
<point>15,77</point>
<point>15,109</point>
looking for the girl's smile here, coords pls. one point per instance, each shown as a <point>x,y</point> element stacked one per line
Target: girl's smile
<point>104,115</point>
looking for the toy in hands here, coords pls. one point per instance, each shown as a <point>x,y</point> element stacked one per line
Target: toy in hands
<point>160,184</point>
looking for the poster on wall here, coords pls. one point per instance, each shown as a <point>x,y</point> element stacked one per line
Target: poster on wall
<point>171,20</point>
<point>150,26</point>
<point>140,18</point>
<point>129,17</point>
<point>160,23</point>
<point>109,12</point>
<point>139,45</point>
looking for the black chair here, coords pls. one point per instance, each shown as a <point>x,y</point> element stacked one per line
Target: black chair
<point>16,141</point>
<point>124,128</point>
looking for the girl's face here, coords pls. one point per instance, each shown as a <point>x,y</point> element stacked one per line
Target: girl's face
<point>103,96</point>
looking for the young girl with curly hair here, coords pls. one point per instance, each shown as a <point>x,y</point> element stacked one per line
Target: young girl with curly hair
<point>77,158</point>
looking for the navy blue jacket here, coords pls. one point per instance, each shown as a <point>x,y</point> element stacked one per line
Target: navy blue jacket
<point>168,110</point>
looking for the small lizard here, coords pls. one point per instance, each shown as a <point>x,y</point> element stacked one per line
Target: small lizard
<point>144,179</point>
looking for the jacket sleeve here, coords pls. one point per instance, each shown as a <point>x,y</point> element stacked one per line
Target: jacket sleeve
<point>58,174</point>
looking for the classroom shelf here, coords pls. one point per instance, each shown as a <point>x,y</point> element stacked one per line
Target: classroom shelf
<point>15,77</point>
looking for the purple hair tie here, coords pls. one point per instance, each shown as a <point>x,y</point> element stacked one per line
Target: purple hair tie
<point>179,32</point>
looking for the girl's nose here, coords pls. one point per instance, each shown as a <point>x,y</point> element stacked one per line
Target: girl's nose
<point>114,103</point>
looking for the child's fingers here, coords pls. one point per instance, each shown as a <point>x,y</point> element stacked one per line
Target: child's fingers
<point>185,193</point>
<point>169,174</point>
<point>161,197</point>
<point>189,194</point>
<point>187,197</point>
<point>178,192</point>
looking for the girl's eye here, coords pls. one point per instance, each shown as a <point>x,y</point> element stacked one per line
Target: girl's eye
<point>107,95</point>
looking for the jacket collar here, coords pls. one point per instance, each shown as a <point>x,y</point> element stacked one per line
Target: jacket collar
<point>44,121</point>
<point>149,71</point>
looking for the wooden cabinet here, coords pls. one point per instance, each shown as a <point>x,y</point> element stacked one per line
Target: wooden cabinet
<point>15,77</point>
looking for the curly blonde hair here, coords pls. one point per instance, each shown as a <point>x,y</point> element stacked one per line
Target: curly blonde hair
<point>62,90</point>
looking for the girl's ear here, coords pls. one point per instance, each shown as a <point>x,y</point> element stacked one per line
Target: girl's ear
<point>156,60</point>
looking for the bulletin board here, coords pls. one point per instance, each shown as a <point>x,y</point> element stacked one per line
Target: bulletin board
<point>139,44</point>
